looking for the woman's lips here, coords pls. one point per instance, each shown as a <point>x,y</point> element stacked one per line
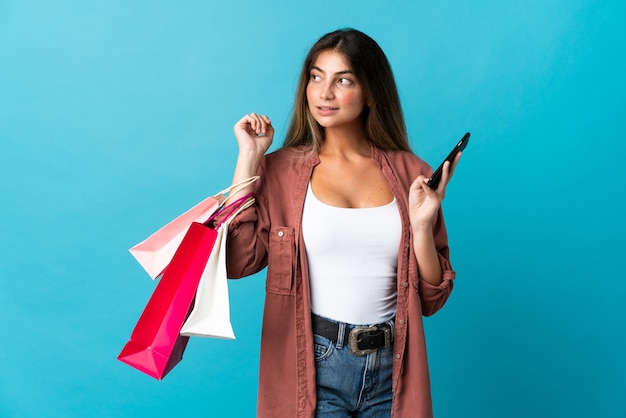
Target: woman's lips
<point>326,110</point>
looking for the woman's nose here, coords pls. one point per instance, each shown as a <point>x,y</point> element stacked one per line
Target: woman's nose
<point>326,92</point>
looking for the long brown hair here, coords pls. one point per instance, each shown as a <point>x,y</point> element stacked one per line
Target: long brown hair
<point>383,121</point>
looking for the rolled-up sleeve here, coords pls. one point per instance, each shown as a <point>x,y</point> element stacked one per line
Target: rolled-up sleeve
<point>433,297</point>
<point>247,242</point>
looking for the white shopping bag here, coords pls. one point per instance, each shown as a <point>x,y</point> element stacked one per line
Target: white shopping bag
<point>210,316</point>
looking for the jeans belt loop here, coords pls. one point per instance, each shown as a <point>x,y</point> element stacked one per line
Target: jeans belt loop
<point>340,335</point>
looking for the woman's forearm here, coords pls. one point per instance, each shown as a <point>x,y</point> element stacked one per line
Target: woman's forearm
<point>428,264</point>
<point>247,166</point>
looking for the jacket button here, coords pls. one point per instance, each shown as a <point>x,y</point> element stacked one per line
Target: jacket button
<point>405,284</point>
<point>281,233</point>
<point>401,322</point>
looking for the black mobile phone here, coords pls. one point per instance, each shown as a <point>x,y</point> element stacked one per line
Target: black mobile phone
<point>433,182</point>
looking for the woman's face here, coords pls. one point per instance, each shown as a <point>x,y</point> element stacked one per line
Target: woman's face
<point>334,95</point>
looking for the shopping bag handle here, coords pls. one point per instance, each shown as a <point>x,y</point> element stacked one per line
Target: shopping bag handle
<point>235,188</point>
<point>240,209</point>
<point>230,209</point>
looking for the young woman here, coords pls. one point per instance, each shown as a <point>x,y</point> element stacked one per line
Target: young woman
<point>353,238</point>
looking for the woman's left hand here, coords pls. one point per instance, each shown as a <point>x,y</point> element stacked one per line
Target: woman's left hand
<point>424,202</point>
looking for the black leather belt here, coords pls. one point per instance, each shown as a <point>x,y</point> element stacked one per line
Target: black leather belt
<point>361,340</point>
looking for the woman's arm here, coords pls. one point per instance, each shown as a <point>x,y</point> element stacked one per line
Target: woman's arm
<point>424,206</point>
<point>246,248</point>
<point>254,134</point>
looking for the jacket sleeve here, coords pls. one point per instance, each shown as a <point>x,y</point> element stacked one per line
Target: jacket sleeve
<point>247,242</point>
<point>434,297</point>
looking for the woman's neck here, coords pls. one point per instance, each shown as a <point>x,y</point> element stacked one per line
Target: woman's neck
<point>345,142</point>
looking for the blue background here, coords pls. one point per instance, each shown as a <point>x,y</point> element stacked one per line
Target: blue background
<point>117,116</point>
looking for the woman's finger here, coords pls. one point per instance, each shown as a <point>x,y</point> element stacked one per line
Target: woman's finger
<point>267,125</point>
<point>455,162</point>
<point>447,172</point>
<point>258,123</point>
<point>421,184</point>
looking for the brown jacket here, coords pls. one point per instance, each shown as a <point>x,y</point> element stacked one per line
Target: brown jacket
<point>270,234</point>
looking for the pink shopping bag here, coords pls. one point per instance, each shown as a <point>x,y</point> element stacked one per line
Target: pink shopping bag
<point>155,345</point>
<point>156,251</point>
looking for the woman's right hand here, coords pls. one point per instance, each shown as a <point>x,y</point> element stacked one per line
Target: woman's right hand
<point>254,134</point>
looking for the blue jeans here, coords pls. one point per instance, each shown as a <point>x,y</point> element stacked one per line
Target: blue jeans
<point>349,385</point>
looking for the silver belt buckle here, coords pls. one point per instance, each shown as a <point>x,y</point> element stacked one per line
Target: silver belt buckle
<point>353,339</point>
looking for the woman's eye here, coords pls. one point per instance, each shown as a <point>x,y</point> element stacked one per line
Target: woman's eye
<point>345,81</point>
<point>315,77</point>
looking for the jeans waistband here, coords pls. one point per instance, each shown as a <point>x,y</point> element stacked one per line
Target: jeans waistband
<point>361,339</point>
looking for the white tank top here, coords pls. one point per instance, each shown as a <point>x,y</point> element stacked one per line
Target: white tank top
<point>353,259</point>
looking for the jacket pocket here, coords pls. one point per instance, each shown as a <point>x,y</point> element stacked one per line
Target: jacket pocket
<point>282,249</point>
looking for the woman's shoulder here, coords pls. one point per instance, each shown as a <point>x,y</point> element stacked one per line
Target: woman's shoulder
<point>407,160</point>
<point>406,166</point>
<point>285,160</point>
<point>290,156</point>
<point>288,153</point>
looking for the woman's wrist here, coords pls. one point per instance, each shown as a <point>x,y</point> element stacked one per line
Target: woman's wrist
<point>247,166</point>
<point>422,228</point>
<point>248,162</point>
